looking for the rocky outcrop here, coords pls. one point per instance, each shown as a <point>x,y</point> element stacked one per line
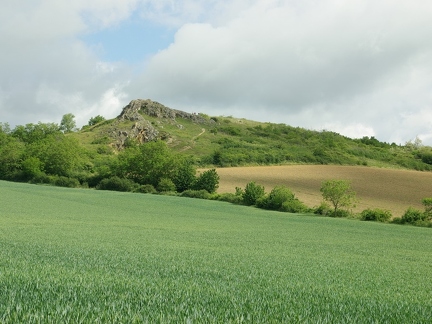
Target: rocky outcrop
<point>142,130</point>
<point>155,109</point>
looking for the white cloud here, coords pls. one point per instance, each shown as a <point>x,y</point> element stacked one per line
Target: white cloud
<point>359,67</point>
<point>361,60</point>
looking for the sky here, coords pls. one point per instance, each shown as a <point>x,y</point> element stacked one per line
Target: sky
<point>356,67</point>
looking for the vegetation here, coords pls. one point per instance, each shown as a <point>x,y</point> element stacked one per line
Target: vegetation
<point>252,193</point>
<point>376,214</point>
<point>147,258</point>
<point>339,194</point>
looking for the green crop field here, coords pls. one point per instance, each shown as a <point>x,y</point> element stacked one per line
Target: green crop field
<point>75,255</point>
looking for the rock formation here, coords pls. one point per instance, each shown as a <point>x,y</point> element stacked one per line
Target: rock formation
<point>142,130</point>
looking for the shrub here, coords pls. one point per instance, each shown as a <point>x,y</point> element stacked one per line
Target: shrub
<point>230,197</point>
<point>275,198</point>
<point>208,180</point>
<point>323,209</point>
<point>62,181</point>
<point>147,188</point>
<point>166,184</point>
<point>294,206</point>
<point>117,184</point>
<point>201,194</point>
<point>42,178</point>
<point>378,215</point>
<point>252,193</point>
<point>412,216</point>
<point>427,202</point>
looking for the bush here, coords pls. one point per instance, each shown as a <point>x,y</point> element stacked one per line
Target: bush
<point>230,197</point>
<point>62,181</point>
<point>42,178</point>
<point>412,216</point>
<point>117,184</point>
<point>323,209</point>
<point>147,188</point>
<point>208,180</point>
<point>377,215</point>
<point>294,206</point>
<point>275,199</point>
<point>201,194</point>
<point>252,193</point>
<point>427,203</point>
<point>166,184</point>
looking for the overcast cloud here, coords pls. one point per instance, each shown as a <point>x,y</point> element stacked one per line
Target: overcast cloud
<point>358,67</point>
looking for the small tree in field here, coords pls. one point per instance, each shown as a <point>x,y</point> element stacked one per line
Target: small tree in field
<point>339,194</point>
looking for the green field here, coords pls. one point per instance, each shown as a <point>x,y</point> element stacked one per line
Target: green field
<point>75,255</point>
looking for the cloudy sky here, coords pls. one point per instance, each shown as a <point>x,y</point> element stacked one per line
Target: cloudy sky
<point>357,67</point>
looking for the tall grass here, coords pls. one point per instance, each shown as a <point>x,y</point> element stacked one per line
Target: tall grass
<point>70,255</point>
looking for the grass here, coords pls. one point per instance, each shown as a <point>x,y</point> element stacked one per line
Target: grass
<point>71,255</point>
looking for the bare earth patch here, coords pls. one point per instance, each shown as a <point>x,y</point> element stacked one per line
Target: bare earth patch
<point>390,189</point>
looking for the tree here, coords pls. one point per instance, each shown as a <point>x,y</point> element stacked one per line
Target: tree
<point>252,193</point>
<point>31,133</point>
<point>208,180</point>
<point>68,123</point>
<point>338,193</point>
<point>147,163</point>
<point>184,176</point>
<point>11,155</point>
<point>276,198</point>
<point>96,120</point>
<point>58,154</point>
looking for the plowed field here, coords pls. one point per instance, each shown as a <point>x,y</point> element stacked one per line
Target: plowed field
<point>390,189</point>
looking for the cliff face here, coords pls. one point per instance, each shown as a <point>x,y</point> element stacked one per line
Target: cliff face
<point>142,130</point>
<point>155,109</point>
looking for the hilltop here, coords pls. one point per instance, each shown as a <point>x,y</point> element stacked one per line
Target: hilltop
<point>225,141</point>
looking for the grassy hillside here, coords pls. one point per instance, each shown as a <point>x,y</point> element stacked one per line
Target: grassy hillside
<point>227,141</point>
<point>73,255</point>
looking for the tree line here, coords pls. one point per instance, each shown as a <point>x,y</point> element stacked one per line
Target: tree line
<point>43,153</point>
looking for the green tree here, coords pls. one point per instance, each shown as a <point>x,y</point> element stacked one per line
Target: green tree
<point>208,180</point>
<point>11,156</point>
<point>252,193</point>
<point>184,176</point>
<point>96,120</point>
<point>67,123</point>
<point>276,198</point>
<point>59,155</point>
<point>339,194</point>
<point>32,167</point>
<point>147,163</point>
<point>31,133</point>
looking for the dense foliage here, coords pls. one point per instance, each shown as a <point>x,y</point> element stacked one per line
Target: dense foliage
<point>47,153</point>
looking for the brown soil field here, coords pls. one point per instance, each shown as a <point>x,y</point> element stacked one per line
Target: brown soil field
<point>390,189</point>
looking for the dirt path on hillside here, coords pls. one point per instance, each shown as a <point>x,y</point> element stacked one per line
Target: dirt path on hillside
<point>188,147</point>
<point>390,189</point>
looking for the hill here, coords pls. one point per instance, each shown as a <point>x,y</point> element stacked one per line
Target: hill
<point>225,141</point>
<point>152,147</point>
